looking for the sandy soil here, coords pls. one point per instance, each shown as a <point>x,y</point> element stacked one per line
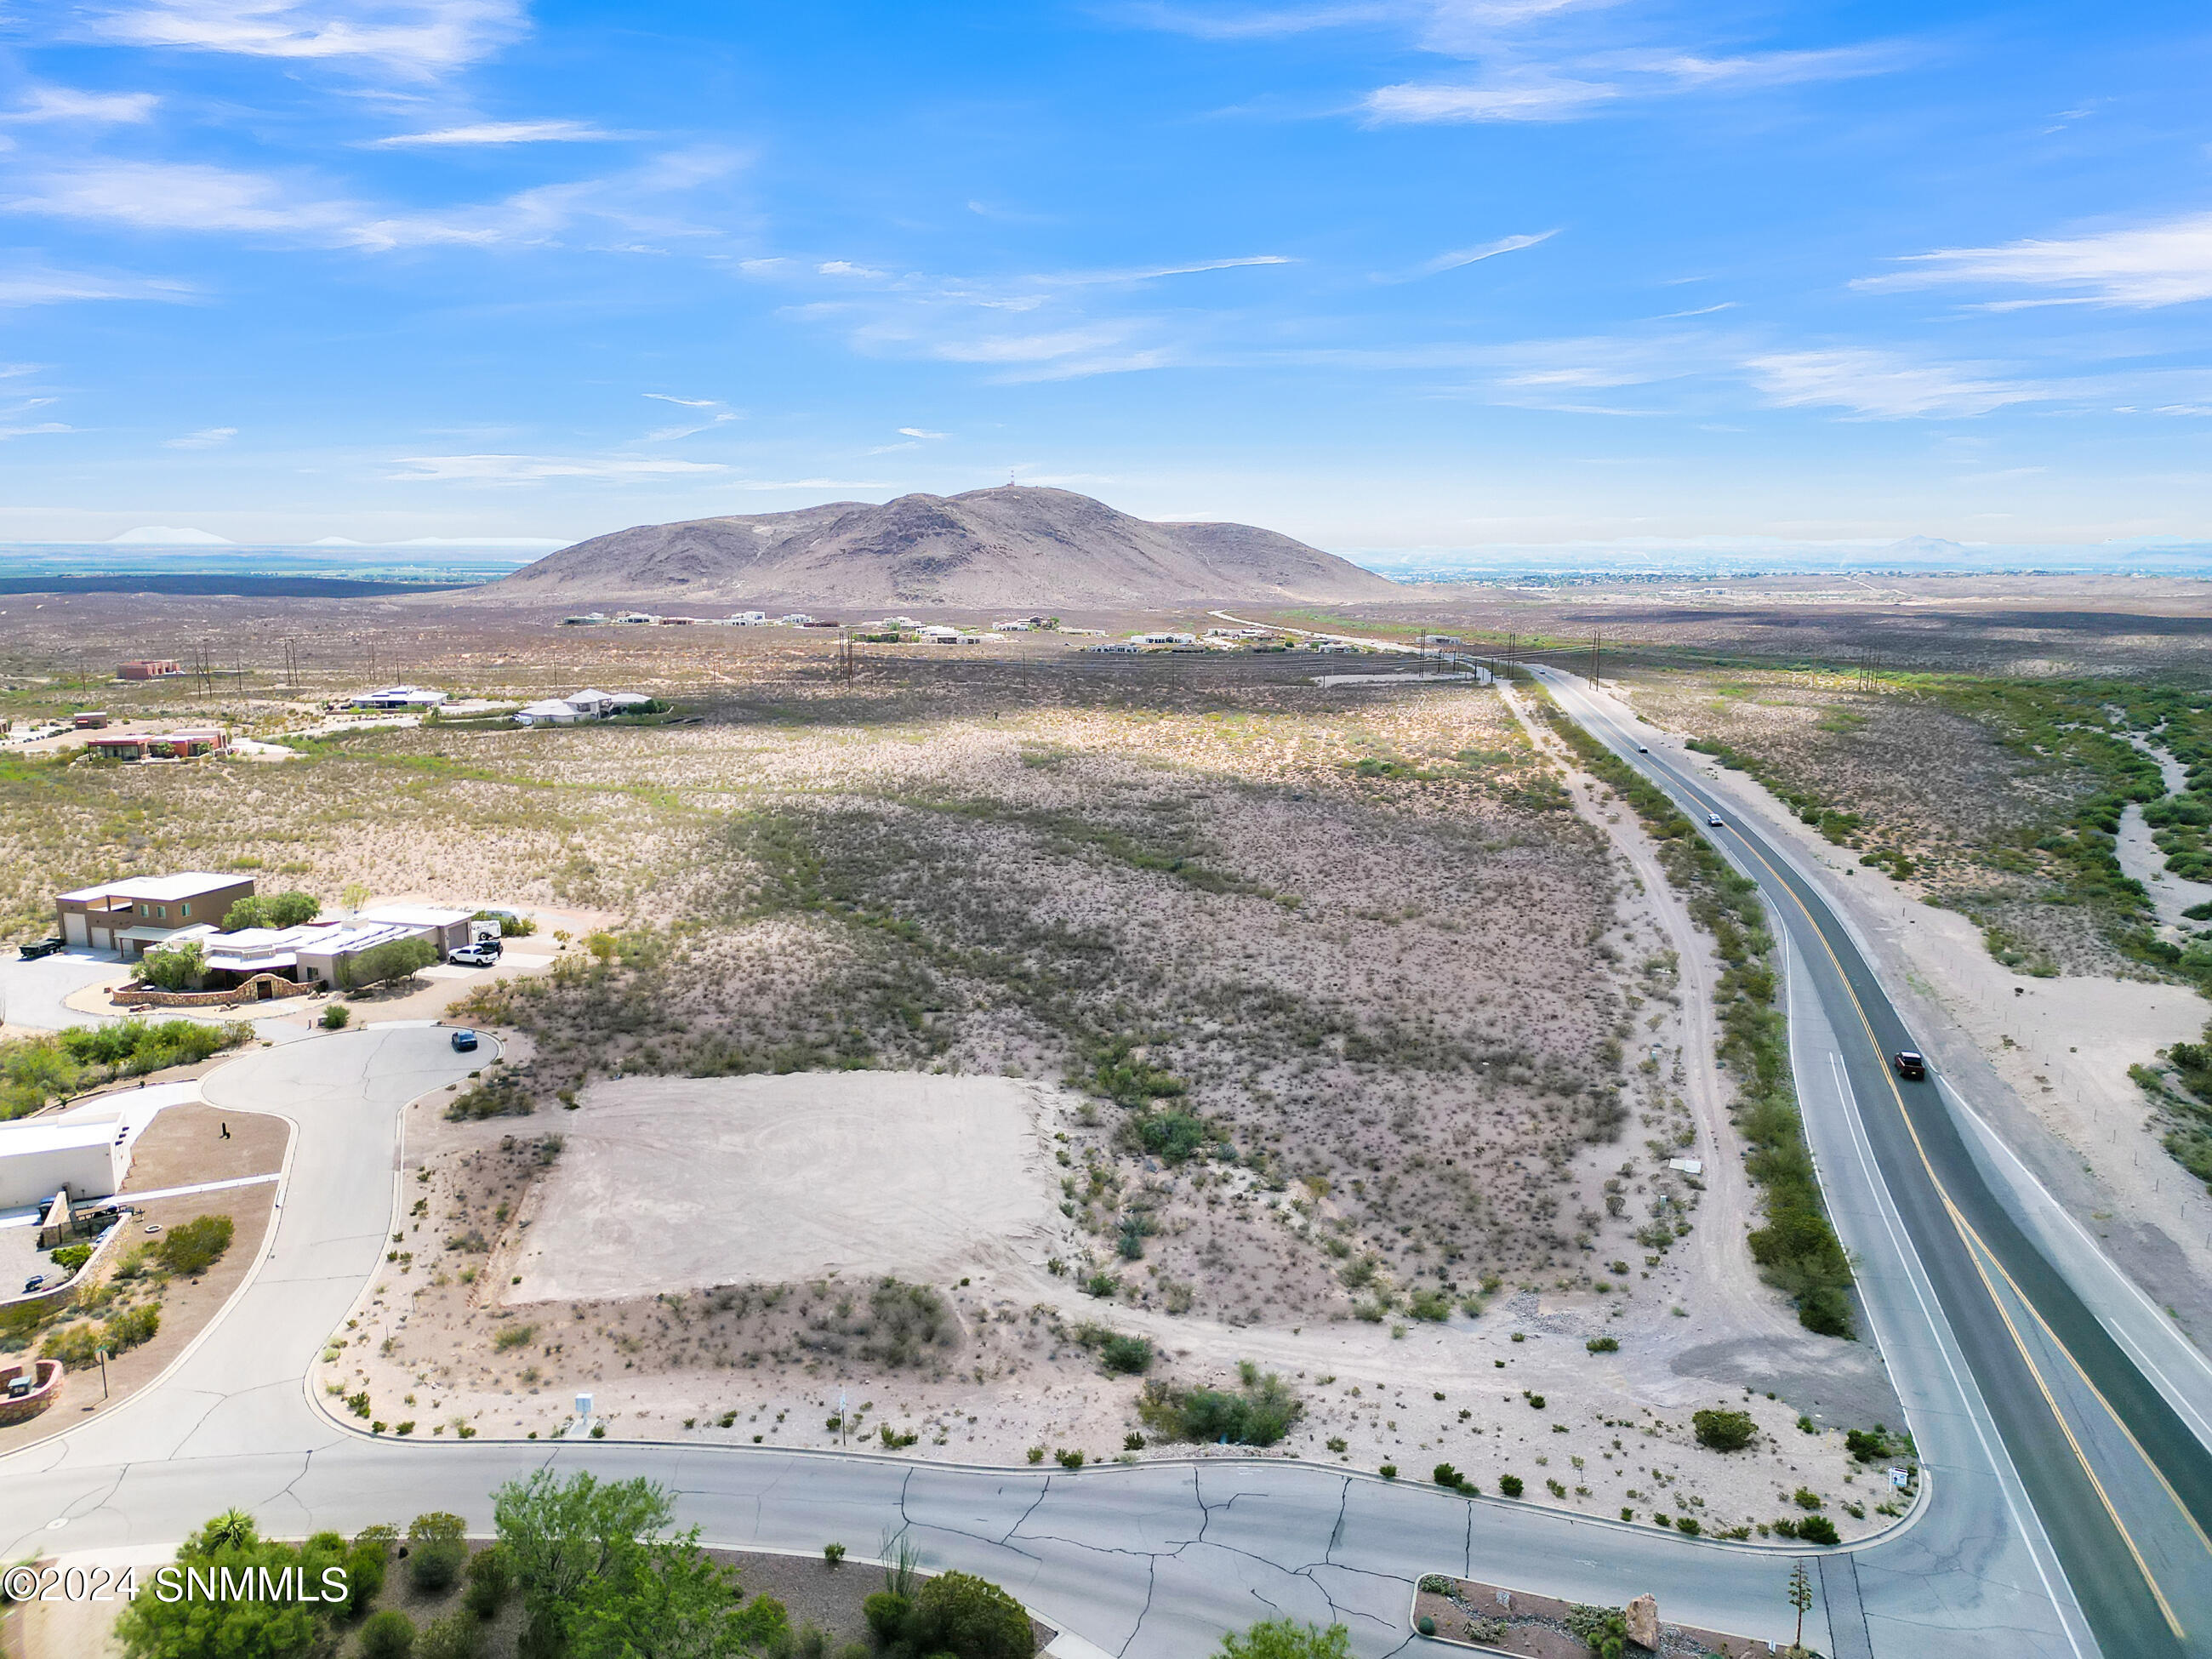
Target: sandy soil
<point>674,1184</point>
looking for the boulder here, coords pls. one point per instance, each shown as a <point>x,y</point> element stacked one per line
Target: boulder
<point>1644,1622</point>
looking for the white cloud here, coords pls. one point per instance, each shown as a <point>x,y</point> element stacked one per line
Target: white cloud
<point>847,268</point>
<point>67,104</point>
<point>1151,273</point>
<point>1468,256</point>
<point>175,196</point>
<point>34,431</point>
<point>917,432</point>
<point>40,288</point>
<point>536,469</point>
<point>2160,264</point>
<point>1884,386</point>
<point>686,403</point>
<point>498,132</point>
<point>1535,100</point>
<point>207,437</point>
<point>410,37</point>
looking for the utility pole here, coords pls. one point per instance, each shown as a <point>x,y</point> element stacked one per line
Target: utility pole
<point>1597,657</point>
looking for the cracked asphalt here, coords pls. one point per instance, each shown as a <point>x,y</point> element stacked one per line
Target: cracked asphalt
<point>1153,1559</point>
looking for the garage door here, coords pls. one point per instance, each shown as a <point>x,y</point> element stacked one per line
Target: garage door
<point>73,927</point>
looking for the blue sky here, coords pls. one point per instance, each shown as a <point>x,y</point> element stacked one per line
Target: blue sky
<point>1386,274</point>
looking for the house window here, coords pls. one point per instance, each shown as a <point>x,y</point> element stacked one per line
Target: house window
<point>185,911</point>
<point>160,913</point>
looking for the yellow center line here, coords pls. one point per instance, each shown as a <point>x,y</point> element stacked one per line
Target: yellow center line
<point>1974,1244</point>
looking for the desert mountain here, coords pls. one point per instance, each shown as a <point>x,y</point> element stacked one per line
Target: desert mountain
<point>998,548</point>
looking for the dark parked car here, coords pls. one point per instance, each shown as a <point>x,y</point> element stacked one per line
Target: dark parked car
<point>465,1041</point>
<point>34,949</point>
<point>33,1283</point>
<point>1908,1064</point>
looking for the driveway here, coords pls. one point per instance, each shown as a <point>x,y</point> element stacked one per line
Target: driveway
<point>31,993</point>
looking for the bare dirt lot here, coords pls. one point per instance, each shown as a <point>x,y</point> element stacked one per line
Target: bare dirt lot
<point>673,1184</point>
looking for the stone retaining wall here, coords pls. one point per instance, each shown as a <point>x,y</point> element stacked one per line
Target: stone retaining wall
<point>144,996</point>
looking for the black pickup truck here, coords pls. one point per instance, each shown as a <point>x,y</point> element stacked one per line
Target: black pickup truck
<point>33,949</point>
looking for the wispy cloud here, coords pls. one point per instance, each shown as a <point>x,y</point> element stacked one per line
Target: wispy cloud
<point>1468,256</point>
<point>1257,23</point>
<point>40,430</point>
<point>1564,86</point>
<point>1545,99</point>
<point>716,414</point>
<point>2166,264</point>
<point>207,437</point>
<point>917,432</point>
<point>43,288</point>
<point>191,197</point>
<point>496,132</point>
<point>67,104</point>
<point>536,469</point>
<point>412,38</point>
<point>1885,384</point>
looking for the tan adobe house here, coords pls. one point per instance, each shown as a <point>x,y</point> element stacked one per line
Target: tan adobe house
<point>132,916</point>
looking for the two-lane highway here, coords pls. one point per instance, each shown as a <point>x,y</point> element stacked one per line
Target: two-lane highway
<point>2122,1488</point>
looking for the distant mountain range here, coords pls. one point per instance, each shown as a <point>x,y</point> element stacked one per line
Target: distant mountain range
<point>1010,548</point>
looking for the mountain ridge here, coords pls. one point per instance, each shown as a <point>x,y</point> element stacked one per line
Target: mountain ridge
<point>1016,545</point>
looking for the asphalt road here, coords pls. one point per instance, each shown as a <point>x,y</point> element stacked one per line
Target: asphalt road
<point>2121,1485</point>
<point>1157,1559</point>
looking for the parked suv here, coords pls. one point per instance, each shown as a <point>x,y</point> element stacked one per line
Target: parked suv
<point>473,955</point>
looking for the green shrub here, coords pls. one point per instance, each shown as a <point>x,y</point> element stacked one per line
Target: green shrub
<point>1388,1471</point>
<point>336,1016</point>
<point>194,1246</point>
<point>1126,1356</point>
<point>1511,1485</point>
<point>1605,1630</point>
<point>1447,1477</point>
<point>456,1636</point>
<point>271,910</point>
<point>437,1549</point>
<point>1806,1499</point>
<point>513,1336</point>
<point>388,1635</point>
<point>131,1327</point>
<point>490,1578</point>
<point>1259,1414</point>
<point>70,1257</point>
<point>969,1617</point>
<point>1432,1305</point>
<point>1818,1530</point>
<point>885,1612</point>
<point>1723,1431</point>
<point>1603,1344</point>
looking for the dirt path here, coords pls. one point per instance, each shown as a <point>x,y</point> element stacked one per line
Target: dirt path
<point>1739,1329</point>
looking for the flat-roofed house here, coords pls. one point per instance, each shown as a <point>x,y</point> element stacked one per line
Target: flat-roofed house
<point>159,746</point>
<point>447,929</point>
<point>153,668</point>
<point>40,1158</point>
<point>402,698</point>
<point>549,711</point>
<point>132,916</point>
